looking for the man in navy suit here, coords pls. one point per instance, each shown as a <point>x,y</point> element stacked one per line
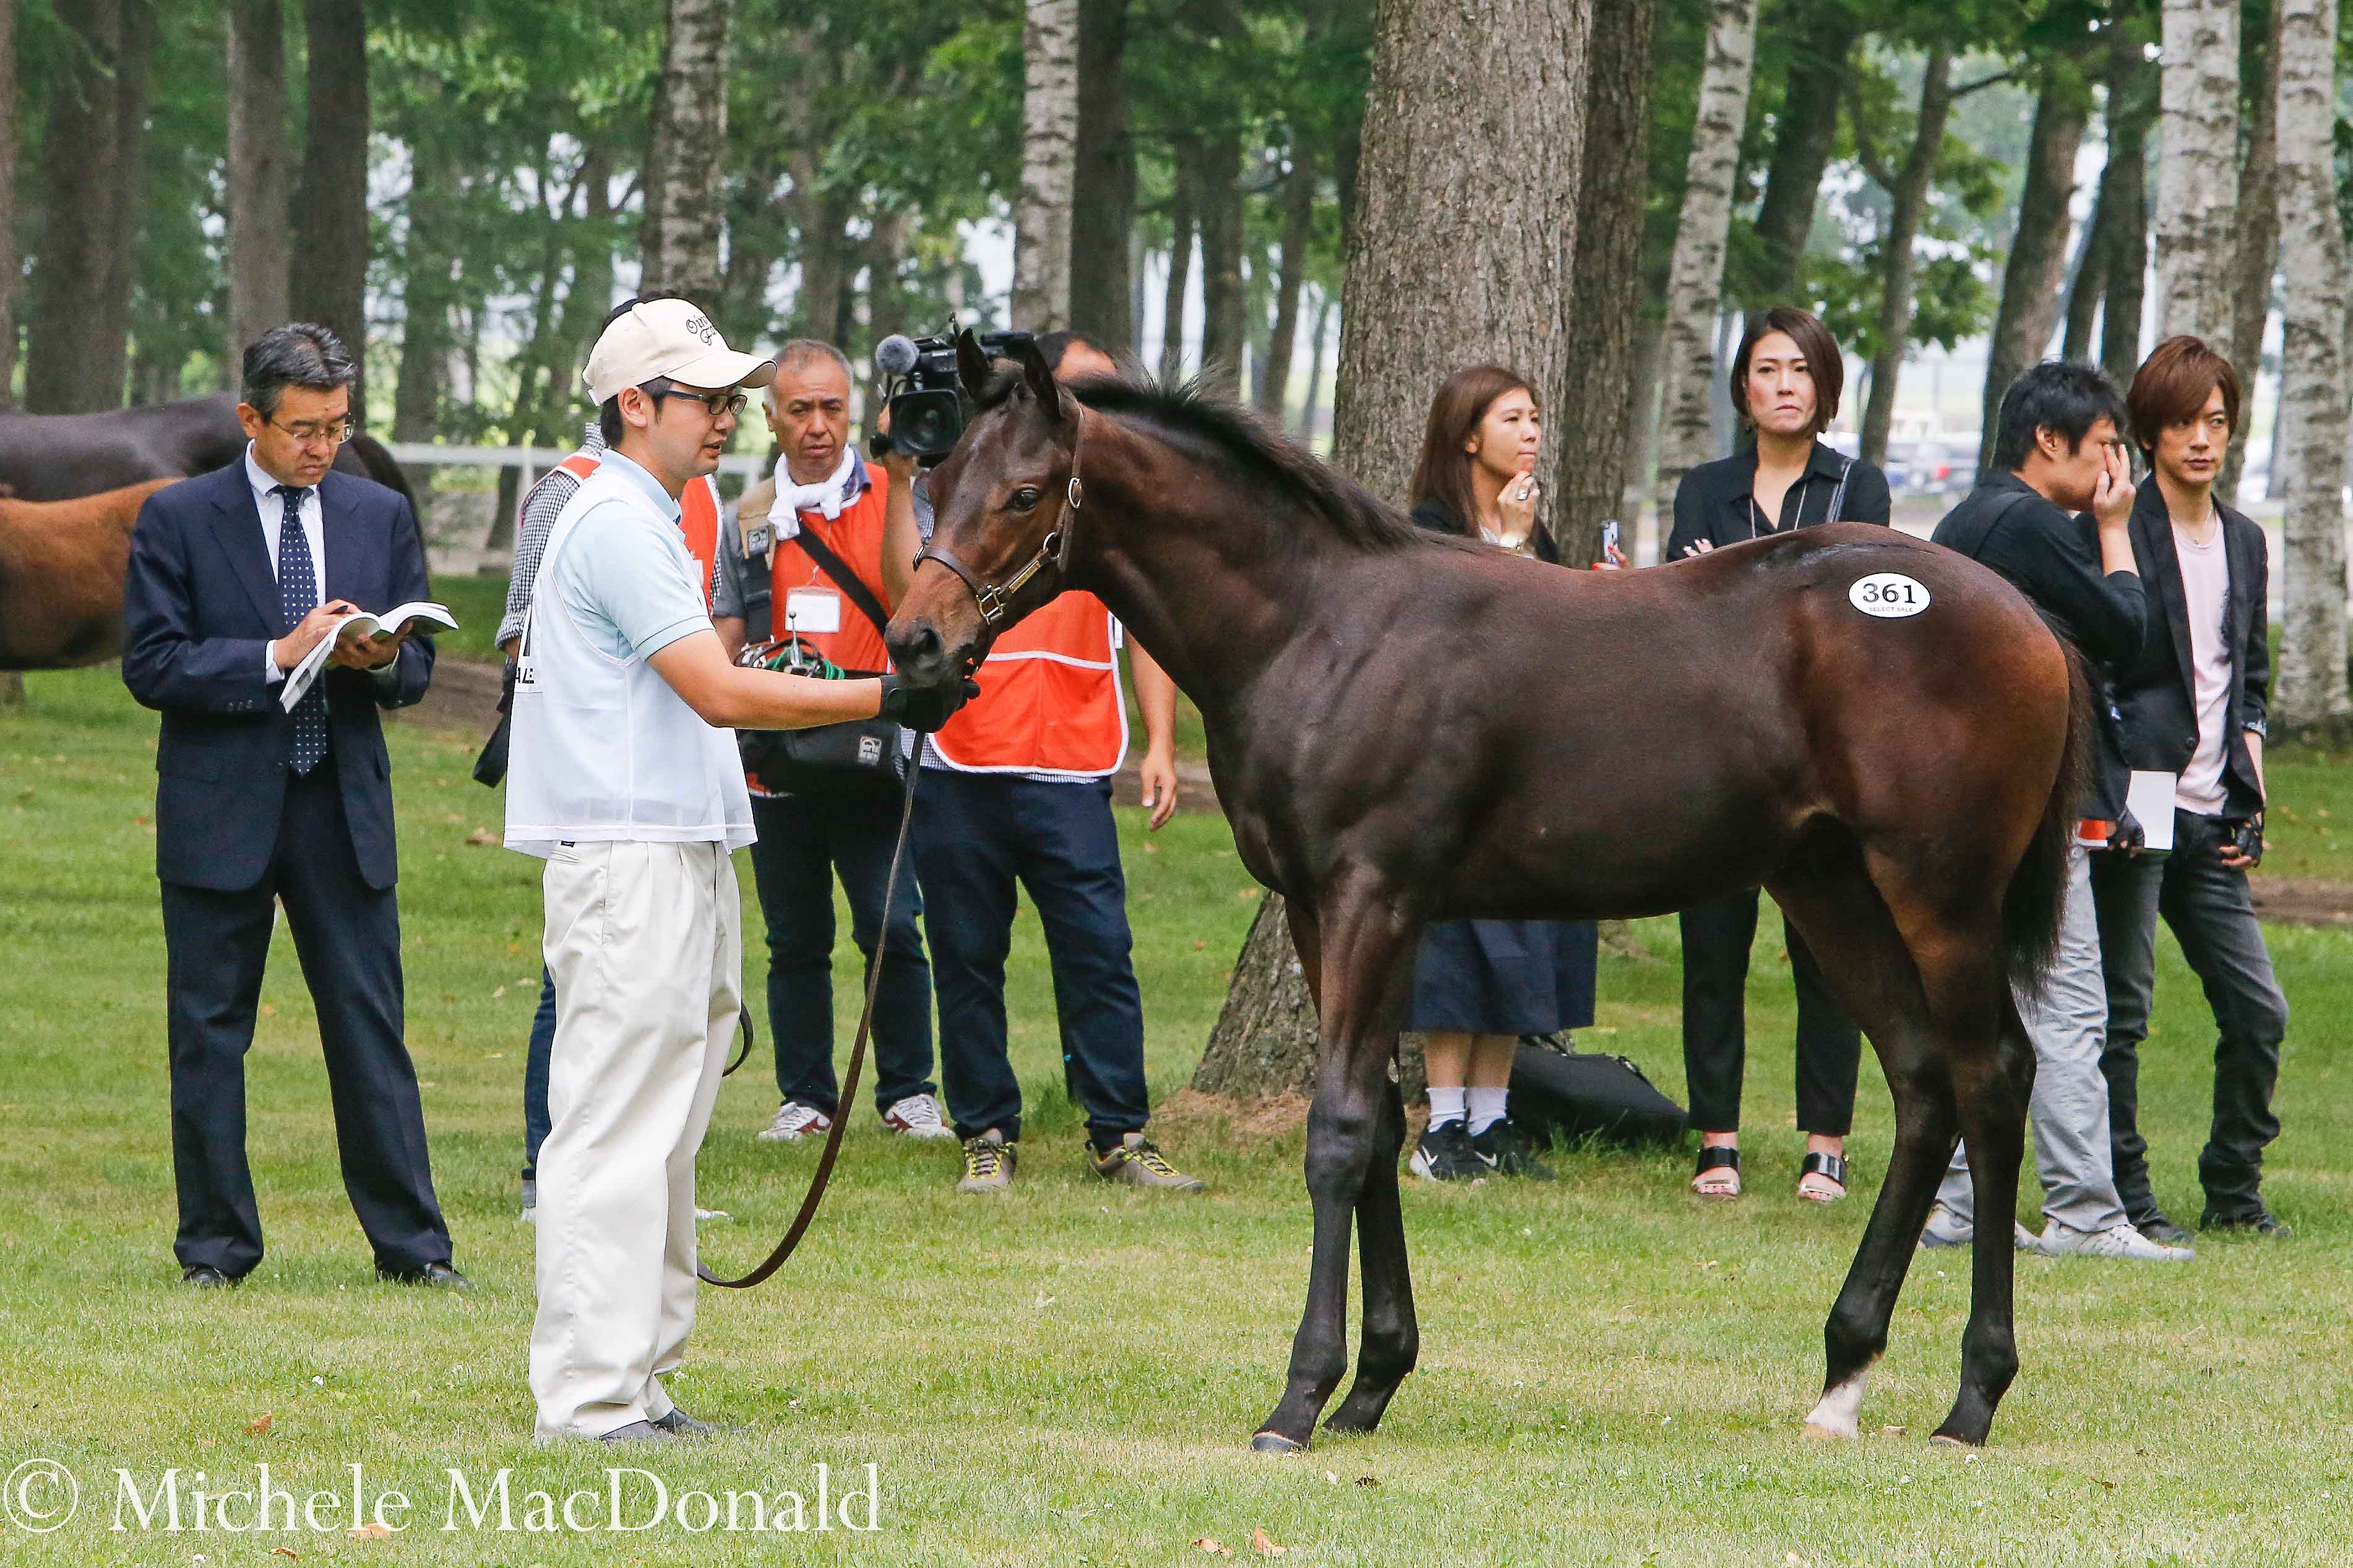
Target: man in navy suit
<point>234,577</point>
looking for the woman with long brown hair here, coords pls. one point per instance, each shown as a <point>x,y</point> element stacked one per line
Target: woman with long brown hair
<point>1479,986</point>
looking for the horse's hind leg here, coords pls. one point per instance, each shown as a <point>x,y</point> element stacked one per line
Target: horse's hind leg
<point>1390,1341</point>
<point>1993,1096</point>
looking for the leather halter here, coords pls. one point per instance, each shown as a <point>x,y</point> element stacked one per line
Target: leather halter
<point>1054,550</point>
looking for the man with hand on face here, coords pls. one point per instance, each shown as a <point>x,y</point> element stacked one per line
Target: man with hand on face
<point>233,578</point>
<point>2059,449</point>
<point>804,559</point>
<point>624,780</point>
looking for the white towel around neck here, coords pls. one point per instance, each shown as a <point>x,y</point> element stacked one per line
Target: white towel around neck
<point>829,495</point>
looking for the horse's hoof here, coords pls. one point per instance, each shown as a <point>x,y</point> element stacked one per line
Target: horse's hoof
<point>1275,1443</point>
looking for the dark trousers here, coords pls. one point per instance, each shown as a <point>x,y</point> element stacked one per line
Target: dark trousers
<point>535,1118</point>
<point>347,936</point>
<point>804,843</point>
<point>1717,938</point>
<point>976,836</point>
<point>2212,914</point>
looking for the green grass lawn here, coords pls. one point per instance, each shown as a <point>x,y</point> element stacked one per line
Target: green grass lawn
<point>1611,1374</point>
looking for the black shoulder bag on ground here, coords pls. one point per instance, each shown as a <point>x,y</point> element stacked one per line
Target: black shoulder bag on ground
<point>1577,1094</point>
<point>856,757</point>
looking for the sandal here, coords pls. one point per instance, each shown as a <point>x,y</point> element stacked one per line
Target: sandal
<point>1714,1157</point>
<point>1830,1168</point>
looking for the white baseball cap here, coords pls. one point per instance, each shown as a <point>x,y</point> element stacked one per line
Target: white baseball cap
<point>668,338</point>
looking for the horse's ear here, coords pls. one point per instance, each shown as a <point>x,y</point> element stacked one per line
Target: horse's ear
<point>972,365</point>
<point>1043,387</point>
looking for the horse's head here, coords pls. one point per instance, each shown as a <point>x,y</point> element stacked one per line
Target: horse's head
<point>1004,503</point>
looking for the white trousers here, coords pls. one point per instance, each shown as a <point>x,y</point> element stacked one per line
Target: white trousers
<point>645,945</point>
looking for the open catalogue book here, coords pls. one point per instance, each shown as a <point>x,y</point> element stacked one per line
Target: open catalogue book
<point>383,627</point>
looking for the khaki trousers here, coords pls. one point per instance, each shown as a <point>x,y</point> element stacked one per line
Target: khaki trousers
<point>644,942</point>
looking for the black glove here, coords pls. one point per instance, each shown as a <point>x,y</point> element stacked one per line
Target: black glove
<point>2128,835</point>
<point>925,708</point>
<point>2245,836</point>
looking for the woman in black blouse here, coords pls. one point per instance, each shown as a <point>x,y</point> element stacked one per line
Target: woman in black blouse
<point>1479,986</point>
<point>1786,380</point>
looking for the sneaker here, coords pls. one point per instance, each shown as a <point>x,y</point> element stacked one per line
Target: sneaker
<point>1509,1150</point>
<point>678,1424</point>
<point>988,1161</point>
<point>1946,1228</point>
<point>530,1200</point>
<point>796,1121</point>
<point>917,1116</point>
<point>2154,1225</point>
<point>2124,1241</point>
<point>2261,1223</point>
<point>1444,1154</point>
<point>1138,1162</point>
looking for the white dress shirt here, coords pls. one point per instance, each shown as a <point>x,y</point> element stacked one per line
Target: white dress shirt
<point>272,508</point>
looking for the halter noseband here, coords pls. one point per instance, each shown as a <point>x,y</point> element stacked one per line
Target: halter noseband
<point>1054,551</point>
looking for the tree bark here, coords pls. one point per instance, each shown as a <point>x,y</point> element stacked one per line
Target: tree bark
<point>1298,238</point>
<point>261,251</point>
<point>886,302</point>
<point>1049,146</point>
<point>1909,204</point>
<point>2258,249</point>
<point>331,218</point>
<point>2090,278</point>
<point>8,263</point>
<point>1804,142</point>
<point>2197,170</point>
<point>1696,278</point>
<point>1458,90</point>
<point>2311,690</point>
<point>426,293</point>
<point>1605,309</point>
<point>1102,203</point>
<point>1183,219</point>
<point>2038,251</point>
<point>2124,192</point>
<point>129,205</point>
<point>680,246</point>
<point>1224,296</point>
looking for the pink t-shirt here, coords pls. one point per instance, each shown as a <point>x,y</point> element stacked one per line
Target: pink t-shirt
<point>2205,590</point>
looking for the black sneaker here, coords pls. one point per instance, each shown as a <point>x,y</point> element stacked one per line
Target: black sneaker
<point>2154,1224</point>
<point>1509,1150</point>
<point>1445,1155</point>
<point>2258,1221</point>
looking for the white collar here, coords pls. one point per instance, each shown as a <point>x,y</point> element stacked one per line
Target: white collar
<point>259,477</point>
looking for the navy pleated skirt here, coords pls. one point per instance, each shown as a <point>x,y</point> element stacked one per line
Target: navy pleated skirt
<point>1504,977</point>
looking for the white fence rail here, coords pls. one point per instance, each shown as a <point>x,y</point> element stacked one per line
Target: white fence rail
<point>532,460</point>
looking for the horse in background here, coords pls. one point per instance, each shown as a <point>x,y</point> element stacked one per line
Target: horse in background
<point>61,566</point>
<point>58,456</point>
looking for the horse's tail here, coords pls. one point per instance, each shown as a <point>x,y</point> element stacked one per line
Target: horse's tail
<point>2038,889</point>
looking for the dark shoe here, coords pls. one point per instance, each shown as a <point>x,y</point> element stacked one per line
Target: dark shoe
<point>438,1276</point>
<point>2154,1224</point>
<point>1714,1157</point>
<point>1445,1155</point>
<point>2260,1222</point>
<point>205,1276</point>
<point>640,1432</point>
<point>1509,1150</point>
<point>1828,1168</point>
<point>678,1424</point>
<point>1138,1162</point>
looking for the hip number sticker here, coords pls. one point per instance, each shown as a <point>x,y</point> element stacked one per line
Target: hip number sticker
<point>1890,596</point>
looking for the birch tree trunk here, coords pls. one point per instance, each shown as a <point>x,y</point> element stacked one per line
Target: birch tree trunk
<point>2311,688</point>
<point>331,217</point>
<point>260,254</point>
<point>1102,198</point>
<point>1910,204</point>
<point>2124,192</point>
<point>1460,88</point>
<point>1049,151</point>
<point>8,262</point>
<point>2257,252</point>
<point>1696,278</point>
<point>680,246</point>
<point>2037,253</point>
<point>2197,170</point>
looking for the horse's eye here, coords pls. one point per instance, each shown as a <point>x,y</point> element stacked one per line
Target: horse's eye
<point>1024,499</point>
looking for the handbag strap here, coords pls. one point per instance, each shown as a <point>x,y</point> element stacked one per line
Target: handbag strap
<point>1837,496</point>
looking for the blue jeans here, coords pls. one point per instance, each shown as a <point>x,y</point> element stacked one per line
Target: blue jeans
<point>976,836</point>
<point>535,1076</point>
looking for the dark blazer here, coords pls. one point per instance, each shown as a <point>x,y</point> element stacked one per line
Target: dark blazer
<point>1714,502</point>
<point>2155,691</point>
<point>199,602</point>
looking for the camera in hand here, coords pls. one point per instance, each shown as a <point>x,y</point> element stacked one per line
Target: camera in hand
<point>926,404</point>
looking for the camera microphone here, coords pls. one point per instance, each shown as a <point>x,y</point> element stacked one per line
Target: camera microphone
<point>896,354</point>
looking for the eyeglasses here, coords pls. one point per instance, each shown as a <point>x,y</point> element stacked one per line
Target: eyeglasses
<point>335,432</point>
<point>718,404</point>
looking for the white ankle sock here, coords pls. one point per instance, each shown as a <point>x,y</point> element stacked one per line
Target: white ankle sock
<point>1486,1107</point>
<point>1445,1105</point>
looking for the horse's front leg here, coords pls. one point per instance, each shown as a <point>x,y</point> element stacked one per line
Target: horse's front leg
<point>1360,1000</point>
<point>1391,1339</point>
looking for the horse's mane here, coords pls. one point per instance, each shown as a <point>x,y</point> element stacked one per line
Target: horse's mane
<point>1241,437</point>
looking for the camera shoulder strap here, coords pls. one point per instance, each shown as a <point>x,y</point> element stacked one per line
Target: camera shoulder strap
<point>835,567</point>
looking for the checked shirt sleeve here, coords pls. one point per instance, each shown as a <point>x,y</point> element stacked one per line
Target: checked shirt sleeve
<point>539,509</point>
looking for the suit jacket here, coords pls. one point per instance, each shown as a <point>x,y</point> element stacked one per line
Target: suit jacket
<point>198,603</point>
<point>2155,691</point>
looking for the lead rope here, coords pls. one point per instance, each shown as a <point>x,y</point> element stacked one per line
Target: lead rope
<point>818,1183</point>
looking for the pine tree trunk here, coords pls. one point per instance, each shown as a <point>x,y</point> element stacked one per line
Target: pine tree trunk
<point>1605,315</point>
<point>1049,146</point>
<point>2197,170</point>
<point>74,359</point>
<point>2124,192</point>
<point>331,220</point>
<point>1804,138</point>
<point>2038,251</point>
<point>1103,202</point>
<point>1909,206</point>
<point>2311,688</point>
<point>127,210</point>
<point>260,252</point>
<point>886,302</point>
<point>1695,277</point>
<point>1298,237</point>
<point>1433,280</point>
<point>426,293</point>
<point>8,262</point>
<point>2258,249</point>
<point>679,248</point>
<point>2090,276</point>
<point>1224,297</point>
<point>1184,219</point>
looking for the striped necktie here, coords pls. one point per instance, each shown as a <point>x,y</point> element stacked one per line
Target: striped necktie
<point>298,595</point>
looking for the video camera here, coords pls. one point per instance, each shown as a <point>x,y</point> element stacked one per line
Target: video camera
<point>925,402</point>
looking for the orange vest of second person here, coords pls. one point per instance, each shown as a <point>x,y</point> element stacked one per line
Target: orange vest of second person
<point>808,602</point>
<point>1050,700</point>
<point>697,516</point>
